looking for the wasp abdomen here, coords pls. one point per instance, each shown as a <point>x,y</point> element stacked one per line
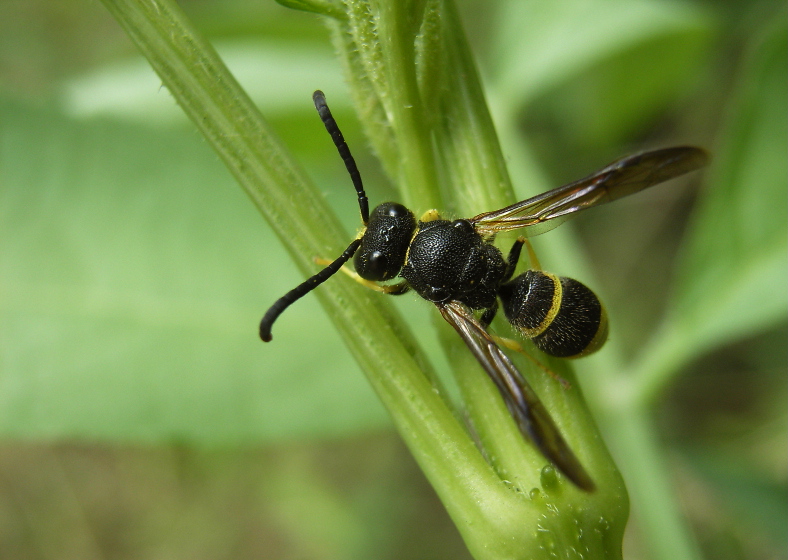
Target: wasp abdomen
<point>563,317</point>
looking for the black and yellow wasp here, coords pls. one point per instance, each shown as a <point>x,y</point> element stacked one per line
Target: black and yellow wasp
<point>454,264</point>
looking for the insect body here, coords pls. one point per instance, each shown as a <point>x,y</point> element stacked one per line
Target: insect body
<point>451,261</point>
<point>455,265</point>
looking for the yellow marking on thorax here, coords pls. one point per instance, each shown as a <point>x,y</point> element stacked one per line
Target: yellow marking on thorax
<point>430,216</point>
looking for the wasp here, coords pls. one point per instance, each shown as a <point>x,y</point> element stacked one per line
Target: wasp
<point>454,264</point>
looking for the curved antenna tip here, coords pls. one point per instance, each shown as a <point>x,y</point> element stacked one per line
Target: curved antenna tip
<point>302,289</point>
<point>265,330</point>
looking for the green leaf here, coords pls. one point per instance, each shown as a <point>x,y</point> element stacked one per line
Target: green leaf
<point>756,501</point>
<point>737,241</point>
<point>132,276</point>
<point>731,280</point>
<point>599,69</point>
<point>270,71</point>
<point>324,7</point>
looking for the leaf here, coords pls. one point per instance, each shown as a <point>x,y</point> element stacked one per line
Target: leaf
<point>131,284</point>
<point>602,69</point>
<point>316,6</point>
<point>731,281</point>
<point>750,504</point>
<point>270,70</point>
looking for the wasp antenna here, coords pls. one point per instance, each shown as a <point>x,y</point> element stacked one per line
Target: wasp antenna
<point>339,141</point>
<point>302,289</point>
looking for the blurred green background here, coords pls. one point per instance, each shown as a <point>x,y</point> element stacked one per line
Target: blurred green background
<point>140,415</point>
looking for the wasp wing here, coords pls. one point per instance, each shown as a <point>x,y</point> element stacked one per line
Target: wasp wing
<point>529,413</point>
<point>621,178</point>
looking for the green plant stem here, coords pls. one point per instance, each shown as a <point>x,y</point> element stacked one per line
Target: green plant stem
<point>653,493</point>
<point>210,96</point>
<point>497,519</point>
<point>474,178</point>
<point>476,173</point>
<point>616,394</point>
<point>396,36</point>
<point>217,105</point>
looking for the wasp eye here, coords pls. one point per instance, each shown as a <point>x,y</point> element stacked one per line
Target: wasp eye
<point>377,265</point>
<point>394,209</point>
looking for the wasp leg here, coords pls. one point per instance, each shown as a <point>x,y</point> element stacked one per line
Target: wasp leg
<point>517,347</point>
<point>511,344</point>
<point>489,314</point>
<point>514,256</point>
<point>532,255</point>
<point>391,289</point>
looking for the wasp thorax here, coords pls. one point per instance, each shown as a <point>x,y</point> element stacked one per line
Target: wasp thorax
<point>385,242</point>
<point>450,261</point>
